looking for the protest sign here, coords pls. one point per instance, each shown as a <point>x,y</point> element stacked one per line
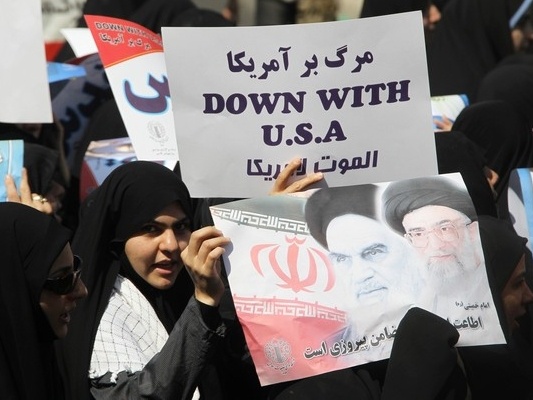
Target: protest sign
<point>448,107</point>
<point>11,163</point>
<point>320,281</point>
<point>133,60</point>
<point>23,68</point>
<point>351,98</point>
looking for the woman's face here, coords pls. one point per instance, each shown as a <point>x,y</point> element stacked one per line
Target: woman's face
<point>154,251</point>
<point>57,307</point>
<point>516,295</point>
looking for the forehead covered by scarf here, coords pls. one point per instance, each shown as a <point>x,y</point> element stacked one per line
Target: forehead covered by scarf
<point>402,197</point>
<point>502,133</point>
<point>132,195</point>
<point>31,241</point>
<point>326,204</point>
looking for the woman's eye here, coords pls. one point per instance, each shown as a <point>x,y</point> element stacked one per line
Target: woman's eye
<point>182,226</point>
<point>149,228</point>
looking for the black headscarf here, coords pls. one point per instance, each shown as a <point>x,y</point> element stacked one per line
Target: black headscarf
<point>130,196</point>
<point>502,249</point>
<point>457,153</point>
<point>503,134</point>
<point>31,241</point>
<point>402,197</point>
<point>469,40</point>
<point>511,81</point>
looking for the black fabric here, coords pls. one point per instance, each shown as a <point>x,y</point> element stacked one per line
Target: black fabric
<point>374,8</point>
<point>504,135</point>
<point>457,153</point>
<point>423,360</point>
<point>41,164</point>
<point>129,197</point>
<point>498,371</point>
<point>511,81</point>
<point>502,249</point>
<point>359,383</point>
<point>31,241</point>
<point>402,197</point>
<point>469,40</point>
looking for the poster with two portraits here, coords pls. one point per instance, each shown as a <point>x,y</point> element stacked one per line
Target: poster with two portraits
<point>321,279</point>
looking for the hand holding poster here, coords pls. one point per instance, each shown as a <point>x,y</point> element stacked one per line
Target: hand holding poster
<point>348,97</point>
<point>320,283</point>
<point>133,60</point>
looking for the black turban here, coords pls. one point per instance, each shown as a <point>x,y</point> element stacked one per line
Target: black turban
<point>402,197</point>
<point>329,203</point>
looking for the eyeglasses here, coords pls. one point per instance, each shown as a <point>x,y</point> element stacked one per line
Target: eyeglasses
<point>446,232</point>
<point>66,283</point>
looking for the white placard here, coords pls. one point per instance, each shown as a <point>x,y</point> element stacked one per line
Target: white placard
<point>23,78</point>
<point>80,40</point>
<point>351,98</point>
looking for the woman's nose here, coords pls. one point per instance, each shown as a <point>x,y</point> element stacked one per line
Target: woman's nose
<point>169,241</point>
<point>80,291</point>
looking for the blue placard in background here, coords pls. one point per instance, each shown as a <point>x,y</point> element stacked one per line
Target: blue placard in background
<point>11,163</point>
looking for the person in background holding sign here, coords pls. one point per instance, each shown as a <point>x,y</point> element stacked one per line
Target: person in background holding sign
<point>39,289</point>
<point>26,197</point>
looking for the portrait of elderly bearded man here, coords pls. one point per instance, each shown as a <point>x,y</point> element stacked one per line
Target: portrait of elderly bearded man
<point>376,268</point>
<point>438,219</point>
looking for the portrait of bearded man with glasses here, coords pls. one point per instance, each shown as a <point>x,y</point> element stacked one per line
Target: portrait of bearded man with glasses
<point>438,219</point>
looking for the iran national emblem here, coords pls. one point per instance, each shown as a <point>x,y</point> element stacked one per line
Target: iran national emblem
<point>297,267</point>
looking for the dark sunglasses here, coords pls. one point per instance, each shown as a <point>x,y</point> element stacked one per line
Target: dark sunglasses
<point>67,283</point>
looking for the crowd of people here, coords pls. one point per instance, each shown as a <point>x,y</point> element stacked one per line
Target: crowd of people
<point>124,295</point>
